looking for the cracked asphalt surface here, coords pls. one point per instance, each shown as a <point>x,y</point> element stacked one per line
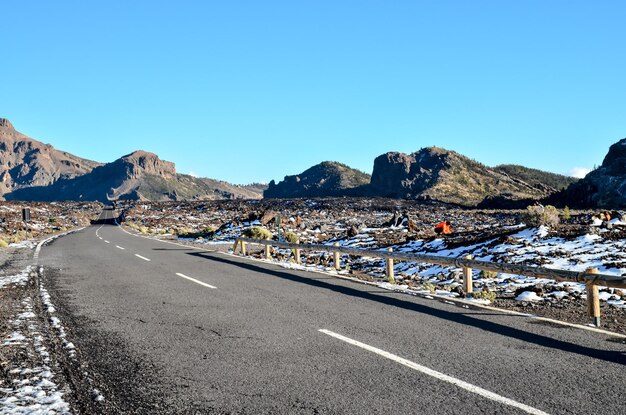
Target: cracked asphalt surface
<point>155,342</point>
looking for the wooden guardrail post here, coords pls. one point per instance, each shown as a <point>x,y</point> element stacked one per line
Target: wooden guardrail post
<point>390,277</point>
<point>268,252</point>
<point>243,248</point>
<point>297,252</point>
<point>593,298</point>
<point>336,258</point>
<point>468,283</point>
<point>235,246</point>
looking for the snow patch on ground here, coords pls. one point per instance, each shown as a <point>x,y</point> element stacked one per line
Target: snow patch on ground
<point>19,279</point>
<point>33,389</point>
<point>528,296</point>
<point>28,244</point>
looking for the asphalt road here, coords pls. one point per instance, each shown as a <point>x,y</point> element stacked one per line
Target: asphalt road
<point>173,329</point>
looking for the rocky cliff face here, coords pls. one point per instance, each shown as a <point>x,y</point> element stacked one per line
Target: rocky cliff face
<point>25,162</point>
<point>605,187</point>
<point>136,176</point>
<point>446,176</point>
<point>31,170</point>
<point>325,179</point>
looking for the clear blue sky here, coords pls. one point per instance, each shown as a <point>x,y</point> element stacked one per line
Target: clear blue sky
<point>253,90</point>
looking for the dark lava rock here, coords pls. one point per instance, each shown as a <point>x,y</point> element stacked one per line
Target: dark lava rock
<point>604,187</point>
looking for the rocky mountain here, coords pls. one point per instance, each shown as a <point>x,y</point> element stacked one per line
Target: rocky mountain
<point>444,175</point>
<point>25,162</point>
<point>136,176</point>
<point>604,187</point>
<point>328,178</point>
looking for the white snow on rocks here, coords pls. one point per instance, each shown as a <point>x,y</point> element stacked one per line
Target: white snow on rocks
<point>528,296</point>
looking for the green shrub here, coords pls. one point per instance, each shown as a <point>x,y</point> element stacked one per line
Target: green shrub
<point>540,215</point>
<point>428,286</point>
<point>182,231</point>
<point>292,238</point>
<point>257,232</point>
<point>3,243</point>
<point>484,295</point>
<point>566,213</point>
<point>143,230</point>
<point>488,274</point>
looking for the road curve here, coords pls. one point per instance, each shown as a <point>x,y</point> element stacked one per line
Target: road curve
<point>172,329</point>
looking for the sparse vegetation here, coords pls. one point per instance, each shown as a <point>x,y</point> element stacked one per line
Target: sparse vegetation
<point>292,238</point>
<point>428,286</point>
<point>537,215</point>
<point>484,295</point>
<point>488,274</point>
<point>566,213</point>
<point>258,232</point>
<point>190,233</point>
<point>536,177</point>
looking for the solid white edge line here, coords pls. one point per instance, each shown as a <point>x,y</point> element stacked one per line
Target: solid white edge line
<point>119,247</point>
<point>438,375</point>
<point>45,241</point>
<point>196,281</point>
<point>142,257</point>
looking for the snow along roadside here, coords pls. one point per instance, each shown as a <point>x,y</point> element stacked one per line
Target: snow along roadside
<point>33,389</point>
<point>29,386</point>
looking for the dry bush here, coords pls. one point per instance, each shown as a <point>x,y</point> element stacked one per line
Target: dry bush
<point>257,232</point>
<point>541,215</point>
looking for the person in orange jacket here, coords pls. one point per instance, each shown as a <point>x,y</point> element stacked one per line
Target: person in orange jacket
<point>444,228</point>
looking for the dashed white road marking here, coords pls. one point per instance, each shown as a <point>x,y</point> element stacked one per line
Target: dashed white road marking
<point>119,247</point>
<point>438,375</point>
<point>196,281</point>
<point>142,257</point>
<point>107,241</point>
<point>100,237</point>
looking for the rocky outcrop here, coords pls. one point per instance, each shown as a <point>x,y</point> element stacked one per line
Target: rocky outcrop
<point>25,162</point>
<point>31,170</point>
<point>435,173</point>
<point>136,176</point>
<point>604,187</point>
<point>325,179</point>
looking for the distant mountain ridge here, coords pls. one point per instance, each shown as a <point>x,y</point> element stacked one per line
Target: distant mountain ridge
<point>447,176</point>
<point>431,173</point>
<point>36,171</point>
<point>328,178</point>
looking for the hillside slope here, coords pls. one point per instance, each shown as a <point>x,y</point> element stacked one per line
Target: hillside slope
<point>604,187</point>
<point>136,176</point>
<point>328,178</point>
<point>444,175</point>
<point>25,162</point>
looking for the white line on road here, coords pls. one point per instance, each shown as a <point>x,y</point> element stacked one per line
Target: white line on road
<point>107,241</point>
<point>438,375</point>
<point>119,247</point>
<point>195,280</point>
<point>142,257</point>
